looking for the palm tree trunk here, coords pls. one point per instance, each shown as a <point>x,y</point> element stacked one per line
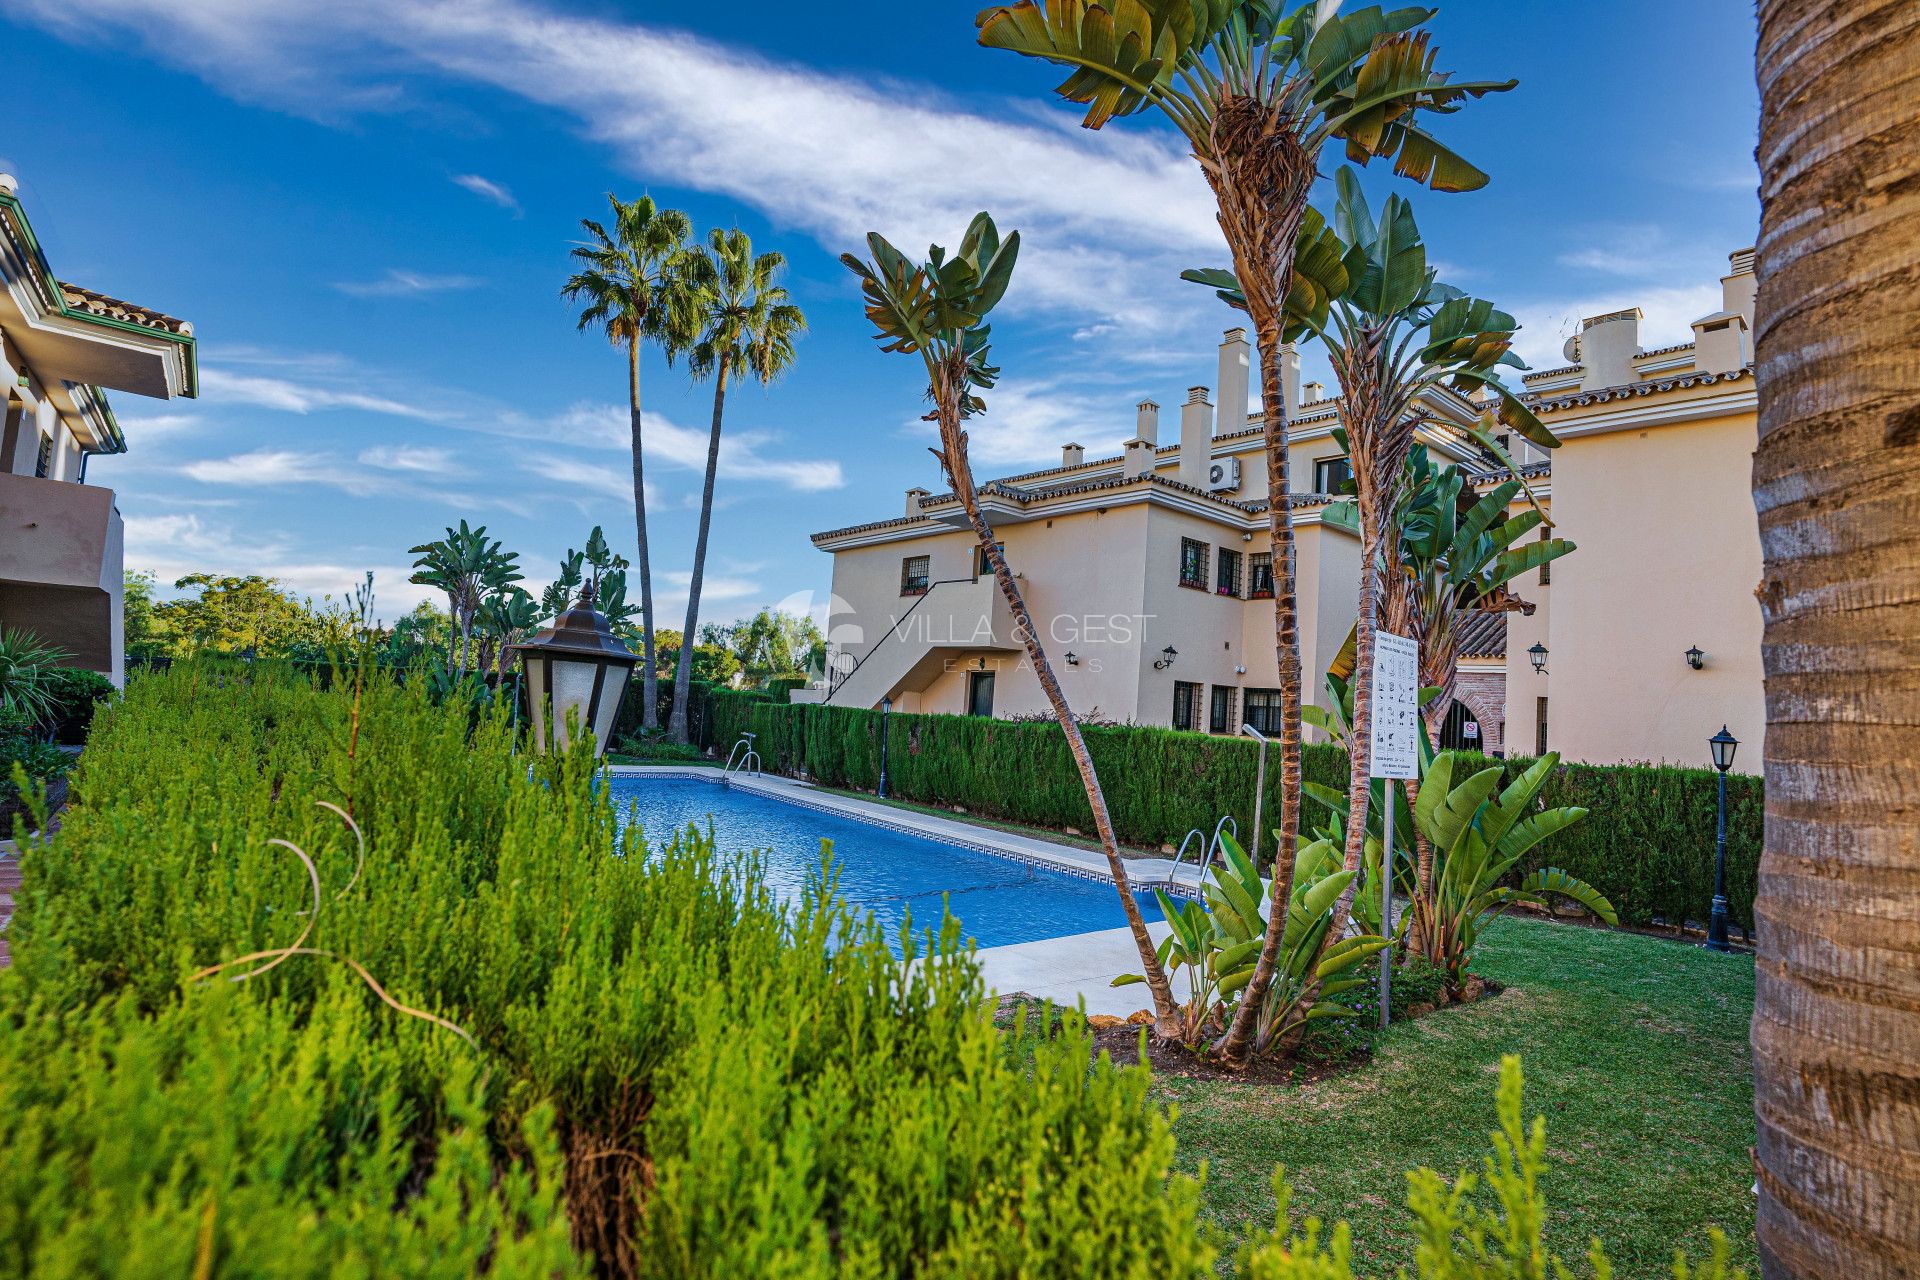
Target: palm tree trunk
<point>1167,1024</point>
<point>1237,1043</point>
<point>649,676</point>
<point>683,670</point>
<point>1836,478</point>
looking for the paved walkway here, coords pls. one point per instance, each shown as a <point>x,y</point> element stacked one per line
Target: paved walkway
<point>1064,970</point>
<point>9,885</point>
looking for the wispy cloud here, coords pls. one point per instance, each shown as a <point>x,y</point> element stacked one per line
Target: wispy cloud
<point>377,473</point>
<point>1667,317</point>
<point>172,546</point>
<point>405,284</point>
<point>223,386</point>
<point>1108,219</point>
<point>743,453</point>
<point>419,459</point>
<point>487,189</point>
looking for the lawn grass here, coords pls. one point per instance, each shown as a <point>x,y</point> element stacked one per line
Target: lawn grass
<point>1635,1050</point>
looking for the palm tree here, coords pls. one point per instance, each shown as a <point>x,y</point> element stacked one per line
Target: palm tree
<point>1836,1020</point>
<point>938,310</point>
<point>467,566</point>
<point>1398,341</point>
<point>628,281</point>
<point>746,324</point>
<point>1258,95</point>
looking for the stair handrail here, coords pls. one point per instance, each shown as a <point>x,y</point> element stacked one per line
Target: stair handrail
<point>840,682</point>
<point>749,762</point>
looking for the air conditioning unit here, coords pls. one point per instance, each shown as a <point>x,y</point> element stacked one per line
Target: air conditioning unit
<point>1224,476</point>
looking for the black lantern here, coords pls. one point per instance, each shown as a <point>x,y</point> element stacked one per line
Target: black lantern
<point>1538,655</point>
<point>577,670</point>
<point>1697,660</point>
<point>1073,659</point>
<point>1723,745</point>
<point>1167,655</point>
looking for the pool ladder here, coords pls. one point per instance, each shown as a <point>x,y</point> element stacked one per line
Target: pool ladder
<point>743,759</point>
<point>1208,847</point>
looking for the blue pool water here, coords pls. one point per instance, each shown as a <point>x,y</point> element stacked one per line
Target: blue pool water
<point>997,900</point>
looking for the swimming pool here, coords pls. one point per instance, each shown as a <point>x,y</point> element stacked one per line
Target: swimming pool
<point>997,900</point>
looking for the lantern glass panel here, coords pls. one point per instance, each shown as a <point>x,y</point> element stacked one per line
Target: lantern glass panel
<point>572,696</point>
<point>535,665</point>
<point>612,693</point>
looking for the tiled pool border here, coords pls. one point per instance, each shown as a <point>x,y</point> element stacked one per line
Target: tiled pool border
<point>1142,873</point>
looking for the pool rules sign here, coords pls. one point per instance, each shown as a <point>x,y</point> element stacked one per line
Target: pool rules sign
<point>1393,752</point>
<point>1394,748</point>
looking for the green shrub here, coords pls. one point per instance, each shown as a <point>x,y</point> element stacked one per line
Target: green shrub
<point>1647,844</point>
<point>725,1085</point>
<point>76,694</point>
<point>23,747</point>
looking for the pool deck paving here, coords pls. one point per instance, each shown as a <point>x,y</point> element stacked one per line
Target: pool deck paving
<point>1079,967</point>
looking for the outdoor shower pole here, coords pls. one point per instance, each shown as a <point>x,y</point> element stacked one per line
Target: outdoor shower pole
<point>1259,787</point>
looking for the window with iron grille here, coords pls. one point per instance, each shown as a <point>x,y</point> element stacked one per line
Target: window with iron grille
<point>1186,705</point>
<point>43,464</point>
<point>983,567</point>
<point>1227,581</point>
<point>1193,563</point>
<point>1260,576</point>
<point>1539,726</point>
<point>1220,714</point>
<point>913,576</point>
<point>1262,710</point>
<point>1330,475</point>
<point>1546,567</point>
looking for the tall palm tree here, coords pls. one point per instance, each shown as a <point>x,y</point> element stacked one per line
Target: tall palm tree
<point>1836,480</point>
<point>746,324</point>
<point>1398,341</point>
<point>937,310</point>
<point>1258,93</point>
<point>627,280</point>
<point>468,566</point>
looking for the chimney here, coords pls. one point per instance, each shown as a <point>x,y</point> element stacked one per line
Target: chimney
<point>1607,347</point>
<point>1290,373</point>
<point>1235,358</point>
<point>1138,458</point>
<point>1196,438</point>
<point>1311,392</point>
<point>1736,287</point>
<point>1147,422</point>
<point>913,501</point>
<point>1072,455</point>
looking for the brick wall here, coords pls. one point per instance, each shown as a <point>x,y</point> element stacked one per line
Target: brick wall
<point>1485,694</point>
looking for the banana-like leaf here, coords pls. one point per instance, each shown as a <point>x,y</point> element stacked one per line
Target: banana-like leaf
<point>1348,952</point>
<point>1123,53</point>
<point>1554,880</point>
<point>1330,1009</point>
<point>1127,980</point>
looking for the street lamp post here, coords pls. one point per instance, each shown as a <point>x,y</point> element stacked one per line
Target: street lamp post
<point>886,709</point>
<point>576,672</point>
<point>1722,745</point>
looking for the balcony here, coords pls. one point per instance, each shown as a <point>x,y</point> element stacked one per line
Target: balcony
<point>61,567</point>
<point>967,615</point>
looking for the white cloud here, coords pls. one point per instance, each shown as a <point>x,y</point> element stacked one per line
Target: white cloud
<point>1668,316</point>
<point>416,458</point>
<point>742,452</point>
<point>222,386</point>
<point>172,546</point>
<point>406,284</point>
<point>380,473</point>
<point>156,426</point>
<point>487,189</point>
<point>268,467</point>
<point>1108,219</point>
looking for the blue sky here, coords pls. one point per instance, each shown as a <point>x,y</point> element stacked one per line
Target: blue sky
<point>364,207</point>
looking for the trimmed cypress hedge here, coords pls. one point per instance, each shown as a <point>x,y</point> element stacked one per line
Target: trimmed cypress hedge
<point>1647,842</point>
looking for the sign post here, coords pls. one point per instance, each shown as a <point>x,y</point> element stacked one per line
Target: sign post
<point>1393,753</point>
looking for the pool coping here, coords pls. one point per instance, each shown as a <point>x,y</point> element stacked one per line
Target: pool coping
<point>1088,864</point>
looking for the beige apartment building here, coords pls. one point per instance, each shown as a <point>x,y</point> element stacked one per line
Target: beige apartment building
<point>1149,572</point>
<point>61,557</point>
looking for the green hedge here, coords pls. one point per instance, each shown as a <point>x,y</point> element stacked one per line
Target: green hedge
<point>1648,844</point>
<point>656,1060</point>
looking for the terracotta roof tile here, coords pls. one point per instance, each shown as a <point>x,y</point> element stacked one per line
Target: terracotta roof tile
<point>1483,634</point>
<point>1600,395</point>
<point>99,304</point>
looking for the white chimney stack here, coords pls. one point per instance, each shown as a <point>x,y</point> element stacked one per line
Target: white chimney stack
<point>1236,357</point>
<point>1138,458</point>
<point>1196,438</point>
<point>1072,455</point>
<point>1290,373</point>
<point>1146,422</point>
<point>1607,347</point>
<point>913,500</point>
<point>1310,392</point>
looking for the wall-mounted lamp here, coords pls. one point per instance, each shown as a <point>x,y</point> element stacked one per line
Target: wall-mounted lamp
<point>1246,537</point>
<point>1695,658</point>
<point>1538,656</point>
<point>980,664</point>
<point>1073,659</point>
<point>1168,654</point>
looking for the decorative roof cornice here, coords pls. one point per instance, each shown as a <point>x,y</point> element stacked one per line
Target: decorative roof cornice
<point>94,303</point>
<point>1602,395</point>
